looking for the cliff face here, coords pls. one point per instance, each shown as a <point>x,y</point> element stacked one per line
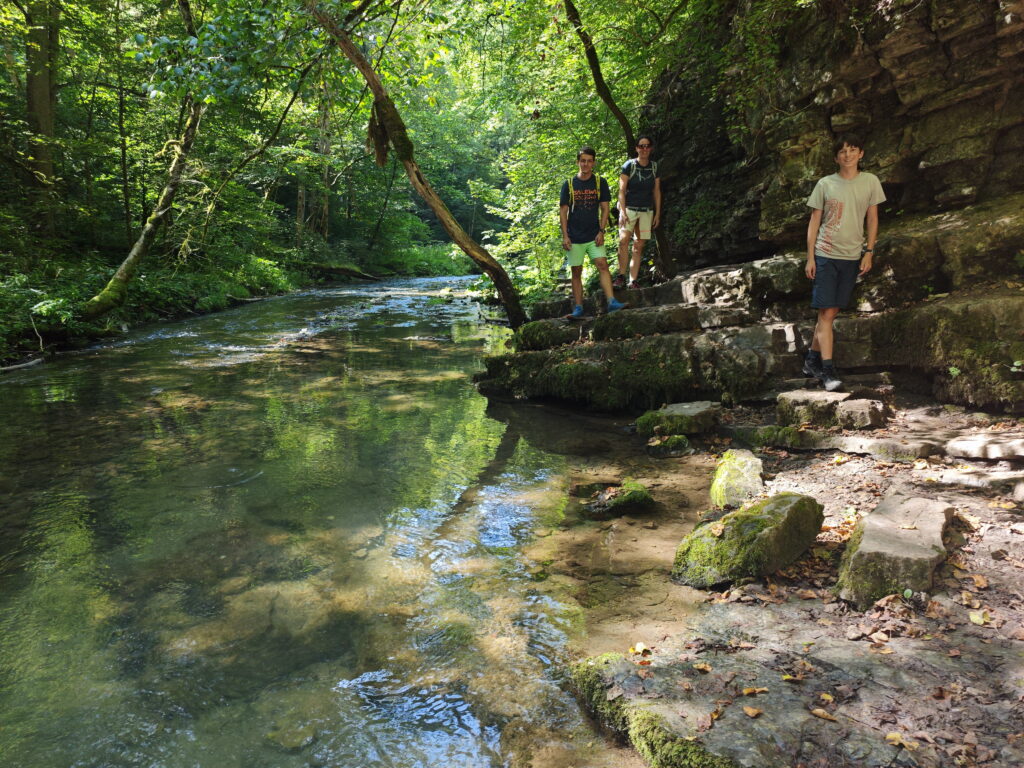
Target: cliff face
<point>936,89</point>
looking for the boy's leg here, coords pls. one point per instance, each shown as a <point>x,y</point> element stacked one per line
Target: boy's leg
<point>576,276</point>
<point>605,276</point>
<point>823,336</point>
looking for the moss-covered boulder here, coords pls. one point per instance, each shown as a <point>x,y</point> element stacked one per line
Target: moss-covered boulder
<point>737,478</point>
<point>544,334</point>
<point>749,543</point>
<point>680,419</point>
<point>808,406</point>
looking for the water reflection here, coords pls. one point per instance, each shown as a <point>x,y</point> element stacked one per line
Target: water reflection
<point>283,535</point>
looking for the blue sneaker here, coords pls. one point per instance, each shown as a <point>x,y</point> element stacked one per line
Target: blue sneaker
<point>577,312</point>
<point>614,305</point>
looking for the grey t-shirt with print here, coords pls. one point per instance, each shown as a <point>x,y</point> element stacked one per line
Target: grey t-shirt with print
<point>844,203</point>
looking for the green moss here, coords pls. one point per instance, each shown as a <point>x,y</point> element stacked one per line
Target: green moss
<point>650,735</point>
<point>750,542</point>
<point>634,495</point>
<point>737,478</point>
<point>646,731</point>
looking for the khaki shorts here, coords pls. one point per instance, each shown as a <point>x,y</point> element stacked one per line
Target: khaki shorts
<point>634,217</point>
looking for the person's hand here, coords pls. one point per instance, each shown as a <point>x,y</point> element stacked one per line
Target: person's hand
<point>599,240</point>
<point>623,221</point>
<point>566,244</point>
<point>655,221</point>
<point>811,269</point>
<point>865,264</point>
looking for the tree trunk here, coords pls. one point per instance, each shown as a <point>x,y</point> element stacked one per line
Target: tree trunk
<point>41,56</point>
<point>122,136</point>
<point>113,295</point>
<point>300,214</point>
<point>595,69</point>
<point>324,148</point>
<point>391,122</point>
<point>383,208</point>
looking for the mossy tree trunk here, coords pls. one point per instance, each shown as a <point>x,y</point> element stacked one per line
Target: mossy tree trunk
<point>387,127</point>
<point>42,51</point>
<point>113,294</point>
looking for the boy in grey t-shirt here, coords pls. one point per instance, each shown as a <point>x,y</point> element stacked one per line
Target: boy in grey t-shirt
<point>836,249</point>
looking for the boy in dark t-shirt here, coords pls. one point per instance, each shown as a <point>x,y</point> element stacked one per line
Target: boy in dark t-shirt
<point>583,213</point>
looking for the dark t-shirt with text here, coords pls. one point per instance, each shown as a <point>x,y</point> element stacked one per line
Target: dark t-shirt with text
<point>585,210</point>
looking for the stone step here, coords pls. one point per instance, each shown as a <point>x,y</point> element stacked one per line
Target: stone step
<point>897,448</point>
<point>895,547</point>
<point>830,409</point>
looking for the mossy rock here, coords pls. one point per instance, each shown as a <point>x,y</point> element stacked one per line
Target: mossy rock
<point>669,446</point>
<point>680,419</point>
<point>544,334</point>
<point>737,478</point>
<point>749,543</point>
<point>629,497</point>
<point>646,731</point>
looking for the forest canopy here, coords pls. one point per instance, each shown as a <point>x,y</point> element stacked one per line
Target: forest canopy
<point>277,187</point>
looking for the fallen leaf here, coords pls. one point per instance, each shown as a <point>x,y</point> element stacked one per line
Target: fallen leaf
<point>908,527</point>
<point>826,697</point>
<point>701,666</point>
<point>981,618</point>
<point>754,691</point>
<point>979,581</point>
<point>897,740</point>
<point>818,712</point>
<point>840,458</point>
<point>806,594</point>
<point>793,678</point>
<point>954,652</point>
<point>716,529</point>
<point>752,711</point>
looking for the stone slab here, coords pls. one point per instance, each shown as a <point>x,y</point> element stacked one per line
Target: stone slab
<point>987,446</point>
<point>861,414</point>
<point>894,548</point>
<point>681,419</point>
<point>815,406</point>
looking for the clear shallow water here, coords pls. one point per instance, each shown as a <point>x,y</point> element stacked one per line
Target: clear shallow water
<point>283,535</point>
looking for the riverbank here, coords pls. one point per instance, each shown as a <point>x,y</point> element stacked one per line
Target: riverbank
<point>932,680</point>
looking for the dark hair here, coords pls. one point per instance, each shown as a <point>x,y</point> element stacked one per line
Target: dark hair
<point>643,136</point>
<point>586,151</point>
<point>847,138</point>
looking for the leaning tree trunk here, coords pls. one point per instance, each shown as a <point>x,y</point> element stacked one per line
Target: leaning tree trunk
<point>387,126</point>
<point>595,69</point>
<point>113,295</point>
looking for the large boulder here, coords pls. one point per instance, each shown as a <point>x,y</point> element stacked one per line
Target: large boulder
<point>749,543</point>
<point>737,478</point>
<point>895,548</point>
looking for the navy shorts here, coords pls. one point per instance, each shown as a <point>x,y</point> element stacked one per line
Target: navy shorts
<point>833,282</point>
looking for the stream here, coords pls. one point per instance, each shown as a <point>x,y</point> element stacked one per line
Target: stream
<point>287,534</point>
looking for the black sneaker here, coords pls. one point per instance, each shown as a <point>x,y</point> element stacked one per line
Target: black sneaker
<point>619,281</point>
<point>830,380</point>
<point>812,368</point>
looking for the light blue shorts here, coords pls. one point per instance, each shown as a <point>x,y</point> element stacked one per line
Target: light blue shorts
<point>591,249</point>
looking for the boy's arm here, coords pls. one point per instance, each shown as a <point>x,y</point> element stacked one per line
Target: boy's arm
<point>868,256</point>
<point>657,203</point>
<point>623,183</point>
<point>603,223</point>
<point>563,217</point>
<point>812,238</point>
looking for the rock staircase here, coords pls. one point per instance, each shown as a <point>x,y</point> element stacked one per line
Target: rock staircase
<point>737,333</point>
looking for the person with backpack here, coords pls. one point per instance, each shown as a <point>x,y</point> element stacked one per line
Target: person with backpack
<point>639,209</point>
<point>583,212</point>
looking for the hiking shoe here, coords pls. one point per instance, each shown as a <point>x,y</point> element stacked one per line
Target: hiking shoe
<point>619,281</point>
<point>614,305</point>
<point>812,368</point>
<point>577,312</point>
<point>638,283</point>
<point>830,380</point>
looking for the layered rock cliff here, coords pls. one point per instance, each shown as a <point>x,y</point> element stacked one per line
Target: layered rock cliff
<point>935,89</point>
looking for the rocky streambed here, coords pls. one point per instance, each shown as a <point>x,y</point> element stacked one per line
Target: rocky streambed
<point>777,670</point>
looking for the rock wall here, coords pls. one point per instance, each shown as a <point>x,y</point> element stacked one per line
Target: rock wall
<point>935,89</point>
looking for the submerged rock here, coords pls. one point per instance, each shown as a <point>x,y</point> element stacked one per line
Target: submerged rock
<point>895,548</point>
<point>749,543</point>
<point>737,478</point>
<point>631,496</point>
